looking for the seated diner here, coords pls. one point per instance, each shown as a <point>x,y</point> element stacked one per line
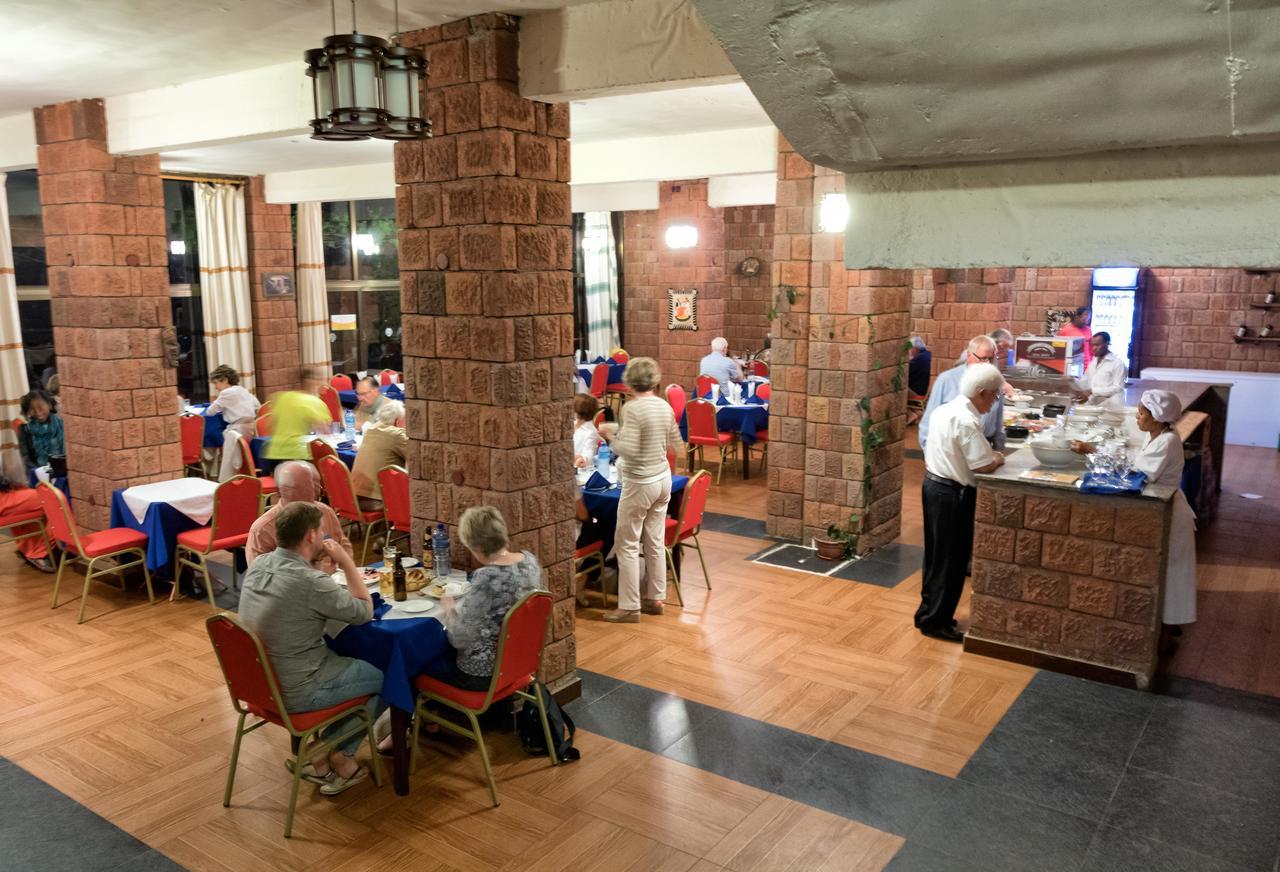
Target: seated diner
<point>385,443</point>
<point>40,436</point>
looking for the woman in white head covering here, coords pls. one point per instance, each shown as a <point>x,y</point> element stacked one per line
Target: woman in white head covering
<point>1161,458</point>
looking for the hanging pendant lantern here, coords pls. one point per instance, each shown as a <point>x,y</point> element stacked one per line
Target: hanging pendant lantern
<point>402,72</point>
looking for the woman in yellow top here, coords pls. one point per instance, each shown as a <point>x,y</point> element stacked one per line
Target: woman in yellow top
<point>294,414</point>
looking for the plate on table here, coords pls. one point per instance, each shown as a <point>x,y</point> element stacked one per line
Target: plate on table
<point>436,589</point>
<point>414,606</point>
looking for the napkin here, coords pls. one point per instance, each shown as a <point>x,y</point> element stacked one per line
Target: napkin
<point>380,606</point>
<point>723,401</point>
<point>348,445</point>
<point>1094,484</point>
<point>597,482</point>
<point>598,360</point>
<point>753,400</point>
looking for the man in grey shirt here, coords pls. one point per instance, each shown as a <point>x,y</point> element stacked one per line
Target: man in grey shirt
<point>719,365</point>
<point>287,601</point>
<point>946,387</point>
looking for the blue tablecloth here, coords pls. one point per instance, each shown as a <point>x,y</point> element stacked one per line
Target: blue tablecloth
<point>403,649</point>
<point>267,466</point>
<point>162,524</point>
<point>214,425</point>
<point>585,372</point>
<point>603,506</point>
<point>746,421</point>
<point>348,398</point>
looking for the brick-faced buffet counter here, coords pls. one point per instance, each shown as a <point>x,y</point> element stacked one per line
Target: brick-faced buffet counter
<point>1068,581</point>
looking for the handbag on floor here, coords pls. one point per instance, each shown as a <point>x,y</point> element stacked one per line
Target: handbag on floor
<point>529,727</point>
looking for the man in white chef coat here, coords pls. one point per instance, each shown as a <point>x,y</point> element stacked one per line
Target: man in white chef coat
<point>1104,379</point>
<point>957,449</point>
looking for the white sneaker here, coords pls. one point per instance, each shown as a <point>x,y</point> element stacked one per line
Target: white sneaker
<point>337,784</point>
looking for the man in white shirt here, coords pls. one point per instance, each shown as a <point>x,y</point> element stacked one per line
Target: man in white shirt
<point>957,449</point>
<point>1103,382</point>
<point>719,365</point>
<point>946,387</point>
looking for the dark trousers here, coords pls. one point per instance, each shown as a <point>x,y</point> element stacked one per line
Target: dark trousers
<point>948,544</point>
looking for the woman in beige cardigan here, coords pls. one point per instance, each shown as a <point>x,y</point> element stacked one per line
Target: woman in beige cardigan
<point>648,428</point>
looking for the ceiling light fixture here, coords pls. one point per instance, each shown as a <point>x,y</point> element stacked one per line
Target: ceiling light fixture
<point>682,236</point>
<point>833,213</point>
<point>364,87</point>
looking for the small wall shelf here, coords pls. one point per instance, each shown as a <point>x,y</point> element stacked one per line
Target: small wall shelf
<point>1264,305</point>
<point>1257,339</point>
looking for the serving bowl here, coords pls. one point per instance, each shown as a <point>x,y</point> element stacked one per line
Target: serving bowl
<point>1053,457</point>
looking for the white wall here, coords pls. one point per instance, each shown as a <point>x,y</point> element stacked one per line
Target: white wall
<point>368,182</point>
<point>17,142</point>
<point>679,156</point>
<point>1253,416</point>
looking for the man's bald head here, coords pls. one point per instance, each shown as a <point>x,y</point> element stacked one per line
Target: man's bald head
<point>297,481</point>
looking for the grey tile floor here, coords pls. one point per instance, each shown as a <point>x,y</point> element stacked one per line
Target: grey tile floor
<point>1076,776</point>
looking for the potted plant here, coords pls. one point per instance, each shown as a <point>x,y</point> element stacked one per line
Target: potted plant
<point>841,543</point>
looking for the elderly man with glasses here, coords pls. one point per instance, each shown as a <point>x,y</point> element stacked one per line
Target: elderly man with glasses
<point>946,387</point>
<point>369,400</point>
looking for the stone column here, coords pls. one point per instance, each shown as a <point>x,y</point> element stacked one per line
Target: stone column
<point>104,226</point>
<point>275,320</point>
<point>487,302</point>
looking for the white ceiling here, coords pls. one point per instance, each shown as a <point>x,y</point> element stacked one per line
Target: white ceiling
<point>276,155</point>
<point>72,49</point>
<point>660,113</point>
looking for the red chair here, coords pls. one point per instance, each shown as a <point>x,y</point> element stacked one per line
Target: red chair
<point>91,548</point>
<point>263,425</point>
<point>597,419</point>
<point>319,449</point>
<point>250,469</point>
<point>519,655</point>
<point>394,482</point>
<point>341,382</point>
<point>677,399</point>
<point>703,385</point>
<point>760,368</point>
<point>620,356</point>
<point>255,690</point>
<point>585,559</point>
<point>688,525</point>
<point>386,377</point>
<point>17,523</point>
<point>342,497</point>
<point>191,429</point>
<point>333,402</point>
<point>17,426</point>
<point>599,381</point>
<point>236,505</point>
<point>763,392</point>
<point>700,416</point>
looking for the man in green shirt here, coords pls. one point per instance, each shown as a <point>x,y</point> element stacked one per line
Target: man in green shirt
<point>293,416</point>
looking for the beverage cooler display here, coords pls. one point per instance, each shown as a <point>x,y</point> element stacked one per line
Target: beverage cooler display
<point>1116,303</point>
<point>1050,355</point>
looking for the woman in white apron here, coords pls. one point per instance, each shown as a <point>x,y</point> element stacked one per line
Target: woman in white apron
<point>1161,458</point>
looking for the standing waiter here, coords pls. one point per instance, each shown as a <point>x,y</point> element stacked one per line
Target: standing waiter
<point>955,451</point>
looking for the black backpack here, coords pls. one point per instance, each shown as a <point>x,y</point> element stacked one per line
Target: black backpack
<point>529,727</point>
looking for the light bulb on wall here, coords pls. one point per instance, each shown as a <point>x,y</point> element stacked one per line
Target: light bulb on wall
<point>363,243</point>
<point>833,213</point>
<point>682,236</point>
<point>177,247</point>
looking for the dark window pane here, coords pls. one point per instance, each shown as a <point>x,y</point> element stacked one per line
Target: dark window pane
<point>375,239</point>
<point>26,226</point>
<point>180,228</point>
<point>335,231</point>
<point>344,342</point>
<point>193,370</point>
<point>37,338</point>
<point>380,330</point>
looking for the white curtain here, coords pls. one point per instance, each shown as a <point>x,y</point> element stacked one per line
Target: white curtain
<point>13,365</point>
<point>600,274</point>
<point>313,300</point>
<point>224,279</point>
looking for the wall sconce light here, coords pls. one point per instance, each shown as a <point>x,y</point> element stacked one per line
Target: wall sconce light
<point>833,213</point>
<point>178,247</point>
<point>682,236</point>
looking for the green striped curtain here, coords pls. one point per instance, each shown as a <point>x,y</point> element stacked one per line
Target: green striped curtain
<point>600,274</point>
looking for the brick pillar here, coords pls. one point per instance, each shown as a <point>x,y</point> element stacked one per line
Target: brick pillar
<point>104,225</point>
<point>276,360</point>
<point>487,301</point>
<point>839,364</point>
<point>700,268</point>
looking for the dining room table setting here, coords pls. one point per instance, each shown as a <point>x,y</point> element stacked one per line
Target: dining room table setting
<point>163,510</point>
<point>742,412</point>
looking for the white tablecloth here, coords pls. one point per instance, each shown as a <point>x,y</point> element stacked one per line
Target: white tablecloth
<point>191,496</point>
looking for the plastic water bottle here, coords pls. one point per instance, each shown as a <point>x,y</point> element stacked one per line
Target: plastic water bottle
<point>440,562</point>
<point>349,425</point>
<point>603,456</point>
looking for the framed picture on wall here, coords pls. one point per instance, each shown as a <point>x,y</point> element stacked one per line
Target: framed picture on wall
<point>682,309</point>
<point>1055,318</point>
<point>277,286</point>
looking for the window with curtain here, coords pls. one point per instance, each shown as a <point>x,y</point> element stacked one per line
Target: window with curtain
<point>184,288</point>
<point>26,231</point>
<point>362,271</point>
<point>597,281</point>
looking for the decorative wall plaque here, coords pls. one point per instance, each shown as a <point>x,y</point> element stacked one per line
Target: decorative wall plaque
<point>277,286</point>
<point>682,309</point>
<point>1055,318</point>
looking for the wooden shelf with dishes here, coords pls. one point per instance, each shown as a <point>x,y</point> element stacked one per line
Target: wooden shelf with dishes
<point>1244,334</point>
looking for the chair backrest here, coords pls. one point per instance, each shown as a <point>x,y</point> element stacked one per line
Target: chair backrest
<point>246,466</point>
<point>341,382</point>
<point>386,377</point>
<point>763,392</point>
<point>59,521</point>
<point>333,401</point>
<point>677,398</point>
<point>600,380</point>
<point>701,418</point>
<point>263,425</point>
<point>337,484</point>
<point>250,677</point>
<point>694,502</point>
<point>703,384</point>
<point>265,408</point>
<point>17,426</point>
<point>597,419</point>
<point>620,356</point>
<point>524,628</point>
<point>191,428</point>
<point>235,507</point>
<point>760,368</point>
<point>320,448</point>
<point>394,483</point>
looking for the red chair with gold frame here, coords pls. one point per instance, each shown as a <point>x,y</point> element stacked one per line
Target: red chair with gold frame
<point>688,525</point>
<point>15,520</point>
<point>620,355</point>
<point>191,431</point>
<point>343,500</point>
<point>249,468</point>
<point>394,483</point>
<point>263,424</point>
<point>702,386</point>
<point>332,402</point>
<point>758,367</point>
<point>599,381</point>
<point>90,548</point>
<point>587,558</point>
<point>764,392</point>
<point>701,418</point>
<point>236,504</point>
<point>255,690</point>
<point>677,399</point>
<point>386,377</point>
<point>341,382</point>
<point>598,418</point>
<point>519,655</point>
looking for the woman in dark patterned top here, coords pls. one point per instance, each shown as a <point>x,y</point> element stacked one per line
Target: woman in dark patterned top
<point>475,621</point>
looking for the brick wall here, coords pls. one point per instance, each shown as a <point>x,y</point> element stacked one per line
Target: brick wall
<point>643,304</point>
<point>486,280</point>
<point>748,232</point>
<point>701,267</point>
<point>277,364</point>
<point>104,225</point>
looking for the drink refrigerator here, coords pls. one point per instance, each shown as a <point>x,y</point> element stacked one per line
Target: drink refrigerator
<point>1116,304</point>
